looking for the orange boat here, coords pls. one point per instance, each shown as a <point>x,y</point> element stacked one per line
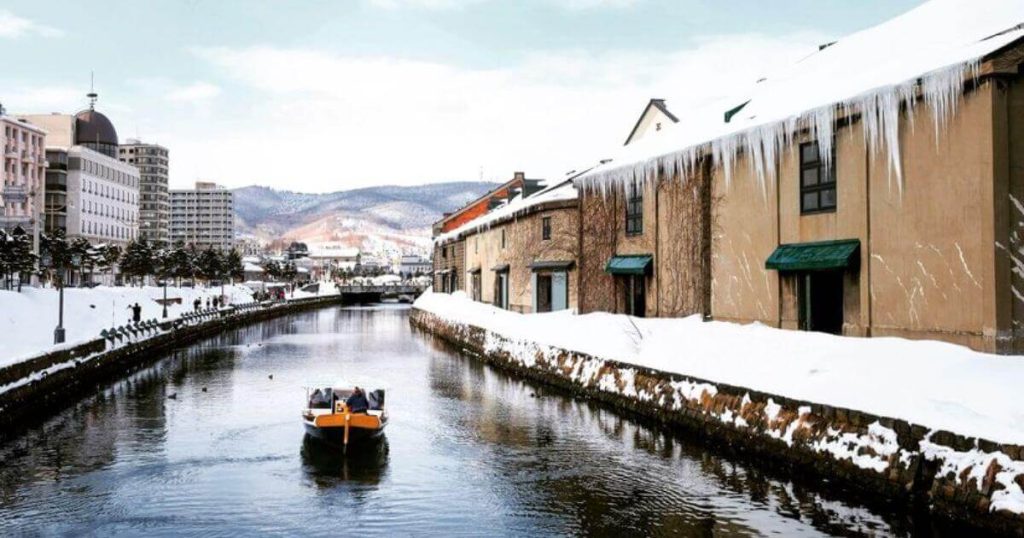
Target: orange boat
<point>344,415</point>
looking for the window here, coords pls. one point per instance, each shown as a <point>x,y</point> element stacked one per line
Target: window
<point>545,228</point>
<point>635,211</point>
<point>635,295</point>
<point>817,182</point>
<point>502,238</point>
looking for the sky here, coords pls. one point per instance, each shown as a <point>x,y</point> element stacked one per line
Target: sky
<point>327,95</point>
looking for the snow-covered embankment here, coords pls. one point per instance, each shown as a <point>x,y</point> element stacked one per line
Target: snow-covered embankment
<point>896,416</point>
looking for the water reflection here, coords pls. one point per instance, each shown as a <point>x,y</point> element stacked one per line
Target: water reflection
<point>327,466</point>
<point>469,450</point>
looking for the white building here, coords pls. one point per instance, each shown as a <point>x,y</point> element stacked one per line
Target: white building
<point>90,193</point>
<point>334,255</point>
<point>413,265</point>
<point>204,216</point>
<point>22,178</point>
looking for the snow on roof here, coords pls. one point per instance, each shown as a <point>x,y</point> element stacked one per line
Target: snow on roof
<point>564,190</point>
<point>252,268</point>
<point>928,51</point>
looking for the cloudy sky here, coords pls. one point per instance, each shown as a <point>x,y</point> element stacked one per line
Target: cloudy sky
<point>324,95</point>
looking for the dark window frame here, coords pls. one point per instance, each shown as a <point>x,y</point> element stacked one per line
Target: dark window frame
<point>635,212</point>
<point>503,240</point>
<point>545,229</point>
<point>826,181</point>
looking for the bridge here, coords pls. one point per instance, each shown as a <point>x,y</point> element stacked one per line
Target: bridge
<point>370,293</point>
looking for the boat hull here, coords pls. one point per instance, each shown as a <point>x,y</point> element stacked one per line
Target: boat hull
<point>335,435</point>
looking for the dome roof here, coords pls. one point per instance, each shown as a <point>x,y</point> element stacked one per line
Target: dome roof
<point>91,127</point>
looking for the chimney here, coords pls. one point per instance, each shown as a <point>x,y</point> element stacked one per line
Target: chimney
<point>519,176</point>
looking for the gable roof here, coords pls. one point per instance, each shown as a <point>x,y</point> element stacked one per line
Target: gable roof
<point>658,104</point>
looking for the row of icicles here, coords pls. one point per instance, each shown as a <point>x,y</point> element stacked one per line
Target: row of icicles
<point>880,111</point>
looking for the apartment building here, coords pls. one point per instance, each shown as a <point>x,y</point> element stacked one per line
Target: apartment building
<point>154,198</point>
<point>203,216</point>
<point>22,179</point>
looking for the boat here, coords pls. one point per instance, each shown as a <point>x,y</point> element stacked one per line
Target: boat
<point>335,415</point>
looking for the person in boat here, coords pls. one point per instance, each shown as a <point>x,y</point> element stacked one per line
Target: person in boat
<point>357,402</point>
<point>319,400</point>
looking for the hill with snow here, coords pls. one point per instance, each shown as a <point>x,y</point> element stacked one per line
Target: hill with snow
<point>375,219</point>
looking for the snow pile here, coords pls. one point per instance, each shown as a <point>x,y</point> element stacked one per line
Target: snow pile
<point>323,289</point>
<point>928,52</point>
<point>28,318</point>
<point>562,191</point>
<point>937,385</point>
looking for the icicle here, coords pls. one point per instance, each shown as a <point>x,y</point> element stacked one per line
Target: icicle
<point>880,113</point>
<point>942,89</point>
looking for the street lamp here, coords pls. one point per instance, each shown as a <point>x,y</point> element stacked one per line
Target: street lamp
<point>46,260</point>
<point>165,297</point>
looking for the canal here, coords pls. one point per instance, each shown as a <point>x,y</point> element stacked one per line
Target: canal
<point>469,451</point>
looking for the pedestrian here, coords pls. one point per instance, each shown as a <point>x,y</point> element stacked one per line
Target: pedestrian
<point>207,303</point>
<point>136,313</point>
<point>196,304</point>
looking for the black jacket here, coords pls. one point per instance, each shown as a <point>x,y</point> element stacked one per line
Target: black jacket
<point>357,403</point>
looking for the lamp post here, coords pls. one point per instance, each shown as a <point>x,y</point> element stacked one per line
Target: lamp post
<point>46,260</point>
<point>165,297</point>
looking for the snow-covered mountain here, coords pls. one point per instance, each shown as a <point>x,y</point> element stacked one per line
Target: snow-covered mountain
<point>376,219</point>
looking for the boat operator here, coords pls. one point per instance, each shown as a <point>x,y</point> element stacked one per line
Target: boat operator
<point>357,402</point>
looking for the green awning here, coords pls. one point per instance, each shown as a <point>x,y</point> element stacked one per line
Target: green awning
<point>816,256</point>
<point>629,265</point>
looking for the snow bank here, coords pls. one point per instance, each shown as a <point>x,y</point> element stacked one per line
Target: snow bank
<point>937,385</point>
<point>27,319</point>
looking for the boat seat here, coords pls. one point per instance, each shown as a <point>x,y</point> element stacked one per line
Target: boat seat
<point>374,412</point>
<point>376,399</point>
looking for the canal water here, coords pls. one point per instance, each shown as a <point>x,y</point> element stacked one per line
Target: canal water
<point>469,451</point>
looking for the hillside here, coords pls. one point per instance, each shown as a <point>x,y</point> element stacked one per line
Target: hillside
<point>374,218</point>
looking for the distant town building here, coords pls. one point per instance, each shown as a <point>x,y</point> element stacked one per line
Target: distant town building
<point>154,199</point>
<point>297,250</point>
<point>413,265</point>
<point>334,255</point>
<point>89,192</point>
<point>22,178</point>
<point>203,216</point>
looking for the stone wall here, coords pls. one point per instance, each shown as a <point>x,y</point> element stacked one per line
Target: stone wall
<point>524,245</point>
<point>964,479</point>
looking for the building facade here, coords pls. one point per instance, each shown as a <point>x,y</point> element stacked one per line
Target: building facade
<point>106,192</point>
<point>203,216</point>
<point>859,239</point>
<point>154,199</point>
<point>22,179</point>
<point>645,250</point>
<point>521,255</point>
<point>90,193</point>
<point>414,265</point>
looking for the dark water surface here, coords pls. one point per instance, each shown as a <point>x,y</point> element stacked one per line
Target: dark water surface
<point>469,451</point>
